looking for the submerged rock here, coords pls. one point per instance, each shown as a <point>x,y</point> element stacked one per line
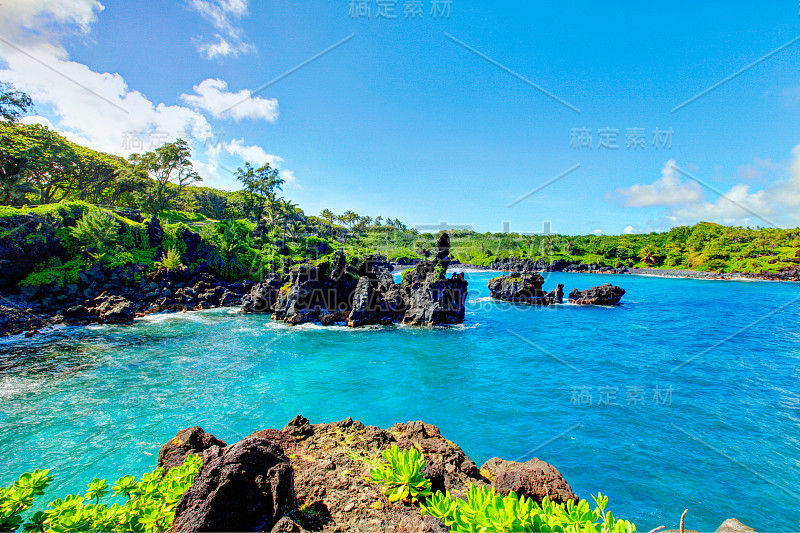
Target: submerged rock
<point>607,294</point>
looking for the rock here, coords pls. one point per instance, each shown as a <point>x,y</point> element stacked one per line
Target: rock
<point>522,288</point>
<point>443,247</point>
<point>114,310</point>
<point>17,319</point>
<point>534,479</point>
<point>434,303</point>
<point>312,294</point>
<point>287,525</point>
<point>732,525</point>
<point>557,296</point>
<point>369,306</point>
<point>155,232</point>
<point>430,298</point>
<point>262,296</point>
<point>298,427</point>
<point>229,299</point>
<point>441,455</point>
<point>189,441</point>
<point>248,486</point>
<point>607,294</point>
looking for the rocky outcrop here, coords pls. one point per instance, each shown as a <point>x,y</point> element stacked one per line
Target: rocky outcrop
<point>522,288</point>
<point>262,297</point>
<point>432,299</point>
<point>607,294</point>
<point>248,486</point>
<point>557,296</point>
<point>361,292</point>
<point>189,441</point>
<point>732,525</point>
<point>315,477</point>
<point>534,479</point>
<point>111,309</point>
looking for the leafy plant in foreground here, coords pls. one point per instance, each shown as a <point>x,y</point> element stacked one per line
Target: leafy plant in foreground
<point>171,259</point>
<point>485,510</point>
<point>402,477</point>
<point>150,505</point>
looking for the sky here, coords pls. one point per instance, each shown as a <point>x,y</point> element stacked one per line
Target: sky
<point>576,117</point>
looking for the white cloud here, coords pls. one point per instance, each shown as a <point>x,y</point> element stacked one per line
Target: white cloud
<point>222,47</point>
<point>290,179</point>
<point>29,20</point>
<point>99,109</point>
<point>737,204</point>
<point>598,232</point>
<point>629,230</point>
<point>212,95</point>
<point>669,189</point>
<point>740,204</point>
<point>224,16</point>
<point>255,155</point>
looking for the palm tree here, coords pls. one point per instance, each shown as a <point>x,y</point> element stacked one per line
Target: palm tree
<point>287,209</point>
<point>328,216</point>
<point>295,229</point>
<point>271,207</point>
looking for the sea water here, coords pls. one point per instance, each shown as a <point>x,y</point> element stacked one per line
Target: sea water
<point>687,395</point>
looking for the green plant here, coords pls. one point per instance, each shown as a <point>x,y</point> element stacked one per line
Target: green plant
<point>485,510</point>
<point>150,505</point>
<point>402,477</point>
<point>96,228</point>
<point>19,497</point>
<point>171,260</point>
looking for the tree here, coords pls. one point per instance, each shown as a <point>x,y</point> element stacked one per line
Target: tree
<point>328,216</point>
<point>262,182</point>
<point>13,103</point>
<point>169,169</point>
<point>287,209</point>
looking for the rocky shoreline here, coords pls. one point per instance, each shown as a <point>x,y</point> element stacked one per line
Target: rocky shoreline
<point>356,291</point>
<point>316,477</point>
<point>528,265</point>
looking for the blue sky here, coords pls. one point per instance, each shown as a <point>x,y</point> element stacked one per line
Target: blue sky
<point>403,121</point>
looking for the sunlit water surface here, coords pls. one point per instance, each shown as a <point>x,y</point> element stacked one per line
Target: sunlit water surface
<point>604,394</point>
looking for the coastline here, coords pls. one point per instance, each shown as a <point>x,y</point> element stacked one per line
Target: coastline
<point>649,272</point>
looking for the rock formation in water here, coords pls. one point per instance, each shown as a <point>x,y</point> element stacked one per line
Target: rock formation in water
<point>361,292</point>
<point>607,294</point>
<point>526,287</point>
<point>522,288</point>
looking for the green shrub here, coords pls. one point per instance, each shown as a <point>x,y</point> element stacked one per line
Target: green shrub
<point>150,505</point>
<point>485,510</point>
<point>55,271</point>
<point>171,260</point>
<point>402,477</point>
<point>96,228</point>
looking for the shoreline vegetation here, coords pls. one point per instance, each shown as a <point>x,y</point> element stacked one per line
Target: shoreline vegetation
<point>340,476</point>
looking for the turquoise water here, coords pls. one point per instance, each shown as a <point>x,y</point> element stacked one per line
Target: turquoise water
<point>597,392</point>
